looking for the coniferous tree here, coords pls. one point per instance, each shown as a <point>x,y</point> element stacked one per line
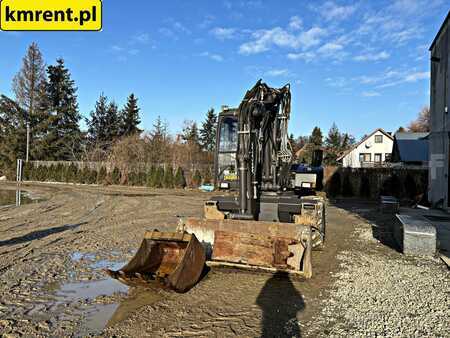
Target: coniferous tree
<point>208,131</point>
<point>180,180</point>
<point>130,117</point>
<point>316,137</point>
<point>96,123</point>
<point>112,122</point>
<point>29,89</point>
<point>190,132</point>
<point>333,144</point>
<point>12,133</point>
<point>104,123</point>
<point>168,178</point>
<point>63,137</point>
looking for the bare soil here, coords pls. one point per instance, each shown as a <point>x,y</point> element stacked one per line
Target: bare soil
<point>52,284</point>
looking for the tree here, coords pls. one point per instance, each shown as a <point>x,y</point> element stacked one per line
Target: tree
<point>422,123</point>
<point>104,123</point>
<point>316,137</point>
<point>208,131</point>
<point>190,132</point>
<point>180,180</point>
<point>12,134</point>
<point>333,144</point>
<point>336,143</point>
<point>130,117</point>
<point>63,137</point>
<point>29,85</point>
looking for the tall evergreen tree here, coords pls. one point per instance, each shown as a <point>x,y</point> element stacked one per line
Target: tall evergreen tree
<point>208,131</point>
<point>333,144</point>
<point>96,122</point>
<point>64,135</point>
<point>104,123</point>
<point>29,86</point>
<point>316,137</point>
<point>12,133</point>
<point>130,117</point>
<point>112,122</point>
<point>190,132</point>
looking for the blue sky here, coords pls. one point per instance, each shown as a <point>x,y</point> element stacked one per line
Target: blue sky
<point>362,64</point>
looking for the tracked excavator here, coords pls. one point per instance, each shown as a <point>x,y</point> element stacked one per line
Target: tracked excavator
<point>265,226</point>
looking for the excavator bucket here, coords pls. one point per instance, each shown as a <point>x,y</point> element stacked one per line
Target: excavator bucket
<point>173,260</point>
<point>255,245</point>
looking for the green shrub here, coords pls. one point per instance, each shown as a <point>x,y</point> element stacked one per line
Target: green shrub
<point>150,177</point>
<point>180,180</point>
<point>159,177</point>
<point>115,176</point>
<point>168,177</point>
<point>196,179</point>
<point>101,176</point>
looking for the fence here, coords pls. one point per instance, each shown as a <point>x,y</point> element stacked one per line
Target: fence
<point>404,182</point>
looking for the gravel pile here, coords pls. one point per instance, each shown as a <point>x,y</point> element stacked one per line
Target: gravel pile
<point>379,292</point>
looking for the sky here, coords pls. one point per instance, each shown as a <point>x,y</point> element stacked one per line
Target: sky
<point>361,64</point>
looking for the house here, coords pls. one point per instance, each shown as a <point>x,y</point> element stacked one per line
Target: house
<point>439,138</point>
<point>373,150</point>
<point>410,149</point>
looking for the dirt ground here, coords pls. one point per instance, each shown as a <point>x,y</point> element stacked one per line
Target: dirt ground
<point>52,254</point>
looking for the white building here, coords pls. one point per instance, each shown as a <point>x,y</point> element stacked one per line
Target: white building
<point>373,150</point>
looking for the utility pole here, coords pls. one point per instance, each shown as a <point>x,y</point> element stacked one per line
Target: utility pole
<point>28,140</point>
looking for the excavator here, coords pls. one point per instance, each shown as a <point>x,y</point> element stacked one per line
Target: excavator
<point>264,226</point>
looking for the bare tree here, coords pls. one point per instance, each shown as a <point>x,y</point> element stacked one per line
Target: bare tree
<point>28,84</point>
<point>422,123</point>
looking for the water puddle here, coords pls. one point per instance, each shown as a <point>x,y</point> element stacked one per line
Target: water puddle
<point>77,291</point>
<point>8,197</point>
<point>104,302</point>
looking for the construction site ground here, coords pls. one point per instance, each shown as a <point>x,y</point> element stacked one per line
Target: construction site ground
<point>52,252</point>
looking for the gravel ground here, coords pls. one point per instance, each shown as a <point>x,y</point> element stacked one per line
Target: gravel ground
<point>51,280</point>
<point>379,292</point>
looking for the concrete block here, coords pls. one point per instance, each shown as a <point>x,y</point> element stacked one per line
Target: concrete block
<point>415,235</point>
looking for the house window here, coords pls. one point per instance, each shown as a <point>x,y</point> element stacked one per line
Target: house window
<point>365,157</point>
<point>378,138</point>
<point>377,158</point>
<point>387,157</point>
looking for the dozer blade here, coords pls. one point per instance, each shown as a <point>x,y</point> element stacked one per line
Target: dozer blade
<point>256,245</point>
<point>173,260</point>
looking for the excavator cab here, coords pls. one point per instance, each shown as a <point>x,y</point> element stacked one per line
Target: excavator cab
<point>225,164</point>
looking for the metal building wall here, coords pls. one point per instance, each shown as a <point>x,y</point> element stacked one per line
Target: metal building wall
<point>440,121</point>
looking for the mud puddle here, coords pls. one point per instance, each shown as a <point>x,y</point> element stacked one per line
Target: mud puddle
<point>103,302</point>
<point>8,197</point>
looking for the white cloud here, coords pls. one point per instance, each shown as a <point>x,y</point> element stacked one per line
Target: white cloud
<point>141,38</point>
<point>263,40</point>
<point>370,94</point>
<point>295,23</point>
<point>117,48</point>
<point>212,56</point>
<point>372,57</point>
<point>305,56</point>
<point>330,47</point>
<point>338,82</point>
<point>414,77</point>
<point>223,33</point>
<point>277,73</point>
<point>174,29</point>
<point>331,11</point>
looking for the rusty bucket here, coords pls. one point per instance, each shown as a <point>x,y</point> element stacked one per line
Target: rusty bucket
<point>173,260</point>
